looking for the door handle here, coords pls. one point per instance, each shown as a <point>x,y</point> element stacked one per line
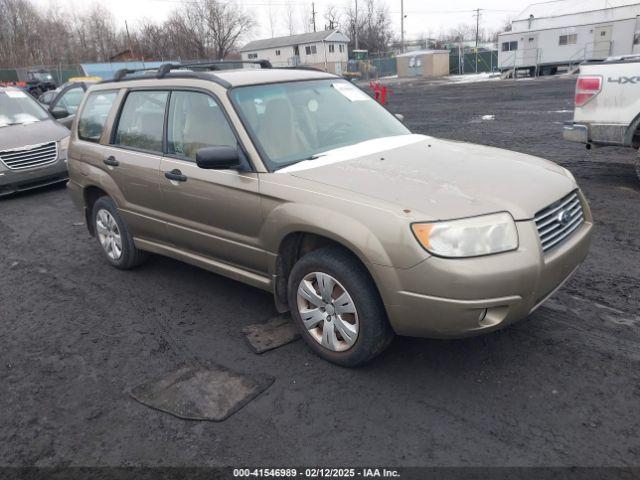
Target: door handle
<point>111,161</point>
<point>175,175</point>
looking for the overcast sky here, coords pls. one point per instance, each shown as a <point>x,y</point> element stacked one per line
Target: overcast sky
<point>422,16</point>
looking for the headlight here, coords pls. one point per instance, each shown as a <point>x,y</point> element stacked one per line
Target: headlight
<point>64,143</point>
<point>469,237</point>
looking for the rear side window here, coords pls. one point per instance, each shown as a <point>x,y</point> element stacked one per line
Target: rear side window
<point>94,115</point>
<point>196,121</point>
<point>141,121</point>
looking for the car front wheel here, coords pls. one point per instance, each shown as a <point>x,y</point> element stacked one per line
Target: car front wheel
<point>337,308</point>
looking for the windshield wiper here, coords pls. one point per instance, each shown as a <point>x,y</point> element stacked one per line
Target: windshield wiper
<point>311,157</point>
<point>314,156</point>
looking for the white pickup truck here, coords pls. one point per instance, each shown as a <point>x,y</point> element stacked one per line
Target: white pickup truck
<point>607,104</point>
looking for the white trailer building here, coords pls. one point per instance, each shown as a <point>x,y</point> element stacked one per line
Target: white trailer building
<point>326,50</point>
<point>567,32</point>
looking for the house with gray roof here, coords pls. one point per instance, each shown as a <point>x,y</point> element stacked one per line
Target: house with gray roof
<point>326,50</point>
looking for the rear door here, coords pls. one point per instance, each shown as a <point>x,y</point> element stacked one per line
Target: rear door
<point>213,213</point>
<point>602,42</point>
<point>133,161</point>
<point>530,50</point>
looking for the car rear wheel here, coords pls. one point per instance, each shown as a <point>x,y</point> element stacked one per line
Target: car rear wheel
<point>638,165</point>
<point>113,235</point>
<point>336,307</point>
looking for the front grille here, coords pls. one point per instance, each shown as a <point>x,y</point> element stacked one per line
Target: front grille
<point>30,157</point>
<point>559,220</point>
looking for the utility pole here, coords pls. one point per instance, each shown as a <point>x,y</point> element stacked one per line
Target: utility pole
<point>313,15</point>
<point>401,26</point>
<point>355,26</point>
<point>477,34</point>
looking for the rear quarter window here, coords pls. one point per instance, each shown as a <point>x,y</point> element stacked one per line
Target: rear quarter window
<point>94,115</point>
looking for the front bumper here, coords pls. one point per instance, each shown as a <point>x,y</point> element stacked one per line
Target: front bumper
<point>448,298</point>
<point>575,132</point>
<point>12,181</point>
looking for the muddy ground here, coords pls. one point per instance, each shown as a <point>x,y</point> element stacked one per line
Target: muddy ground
<point>561,388</point>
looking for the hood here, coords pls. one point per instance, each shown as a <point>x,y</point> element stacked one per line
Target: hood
<point>440,179</point>
<point>16,136</point>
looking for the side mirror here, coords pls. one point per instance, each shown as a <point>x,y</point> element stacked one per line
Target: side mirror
<point>218,158</point>
<point>59,112</point>
<point>399,116</point>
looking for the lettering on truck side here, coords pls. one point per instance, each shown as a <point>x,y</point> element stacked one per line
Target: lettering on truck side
<point>623,80</point>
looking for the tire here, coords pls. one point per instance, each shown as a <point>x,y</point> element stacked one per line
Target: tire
<point>373,332</point>
<point>638,165</point>
<point>129,256</point>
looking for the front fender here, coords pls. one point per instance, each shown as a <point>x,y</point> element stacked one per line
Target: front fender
<point>378,242</point>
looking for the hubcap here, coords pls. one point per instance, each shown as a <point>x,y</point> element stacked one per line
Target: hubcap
<point>328,311</point>
<point>109,234</point>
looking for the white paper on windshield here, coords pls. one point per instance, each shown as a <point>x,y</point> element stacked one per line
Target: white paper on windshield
<point>352,93</point>
<point>15,93</point>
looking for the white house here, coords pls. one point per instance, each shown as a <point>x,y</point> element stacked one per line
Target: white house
<point>327,50</point>
<point>566,32</point>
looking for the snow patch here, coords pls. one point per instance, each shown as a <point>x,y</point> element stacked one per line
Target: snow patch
<point>473,77</point>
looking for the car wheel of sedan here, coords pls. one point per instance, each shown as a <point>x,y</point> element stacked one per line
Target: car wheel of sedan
<point>337,308</point>
<point>113,236</point>
<point>638,165</point>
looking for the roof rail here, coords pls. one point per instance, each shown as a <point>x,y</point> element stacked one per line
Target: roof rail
<point>165,68</point>
<point>123,72</point>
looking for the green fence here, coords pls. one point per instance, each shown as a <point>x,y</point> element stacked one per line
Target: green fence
<point>64,73</point>
<point>385,67</point>
<point>8,75</point>
<point>487,62</point>
<point>61,73</point>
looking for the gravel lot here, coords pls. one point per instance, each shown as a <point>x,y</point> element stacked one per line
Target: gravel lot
<point>561,388</point>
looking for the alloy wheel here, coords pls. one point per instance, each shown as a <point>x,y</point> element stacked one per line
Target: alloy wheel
<point>109,234</point>
<point>328,312</point>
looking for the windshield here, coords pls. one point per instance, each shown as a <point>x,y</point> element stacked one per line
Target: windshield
<point>298,120</point>
<point>42,76</point>
<point>17,107</point>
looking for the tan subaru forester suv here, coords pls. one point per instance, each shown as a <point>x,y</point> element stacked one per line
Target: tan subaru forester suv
<point>297,182</point>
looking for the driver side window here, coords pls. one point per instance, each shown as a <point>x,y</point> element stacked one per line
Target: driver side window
<point>71,100</point>
<point>196,121</point>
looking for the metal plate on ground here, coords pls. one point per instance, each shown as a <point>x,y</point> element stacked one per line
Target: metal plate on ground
<point>275,333</point>
<point>196,392</point>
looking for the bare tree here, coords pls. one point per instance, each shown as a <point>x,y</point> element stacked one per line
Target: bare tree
<point>197,29</point>
<point>272,19</point>
<point>332,17</point>
<point>224,24</point>
<point>304,12</point>
<point>373,24</point>
<point>291,19</point>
